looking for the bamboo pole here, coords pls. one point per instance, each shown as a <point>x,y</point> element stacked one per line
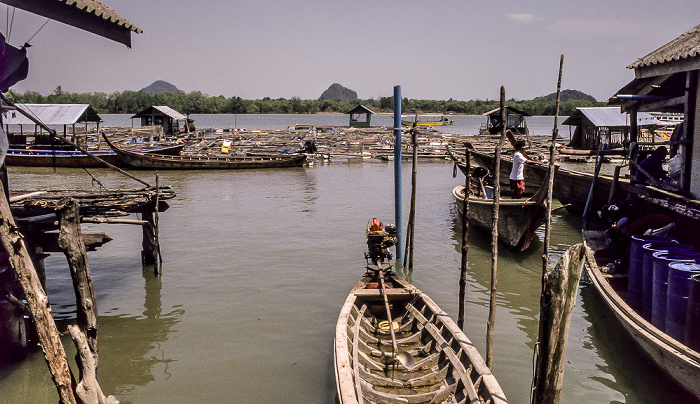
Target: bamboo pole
<point>494,236</point>
<point>550,178</point>
<point>71,242</point>
<point>412,214</point>
<point>38,301</point>
<point>556,306</point>
<point>465,244</point>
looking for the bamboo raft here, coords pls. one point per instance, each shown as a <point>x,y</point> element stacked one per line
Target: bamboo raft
<point>448,367</point>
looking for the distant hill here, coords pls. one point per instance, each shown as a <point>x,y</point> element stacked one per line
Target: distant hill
<point>570,95</point>
<point>160,86</point>
<point>338,92</point>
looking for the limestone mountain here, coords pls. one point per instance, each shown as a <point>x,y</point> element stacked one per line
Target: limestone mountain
<point>338,92</point>
<point>569,95</point>
<point>160,86</point>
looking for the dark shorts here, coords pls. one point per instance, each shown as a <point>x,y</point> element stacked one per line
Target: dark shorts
<point>518,188</point>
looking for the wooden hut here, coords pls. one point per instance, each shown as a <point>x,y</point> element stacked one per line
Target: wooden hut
<point>607,125</point>
<point>515,121</point>
<point>666,80</point>
<point>160,115</point>
<point>53,115</point>
<point>360,116</point>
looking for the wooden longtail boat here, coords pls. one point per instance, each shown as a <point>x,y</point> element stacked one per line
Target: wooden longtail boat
<point>448,367</point>
<point>517,218</point>
<point>671,356</point>
<point>571,187</point>
<point>75,158</point>
<point>162,162</point>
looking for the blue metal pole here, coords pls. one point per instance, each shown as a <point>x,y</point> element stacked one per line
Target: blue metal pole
<point>397,172</point>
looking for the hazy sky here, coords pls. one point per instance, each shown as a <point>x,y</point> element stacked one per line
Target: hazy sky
<point>436,49</point>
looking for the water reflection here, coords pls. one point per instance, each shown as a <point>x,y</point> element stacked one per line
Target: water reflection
<point>138,341</point>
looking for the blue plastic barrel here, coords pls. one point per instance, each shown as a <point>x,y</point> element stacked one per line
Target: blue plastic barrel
<point>662,259</point>
<point>679,274</point>
<point>634,278</point>
<point>647,269</point>
<point>692,319</point>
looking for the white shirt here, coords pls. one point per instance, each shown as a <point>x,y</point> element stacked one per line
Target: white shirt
<point>516,173</point>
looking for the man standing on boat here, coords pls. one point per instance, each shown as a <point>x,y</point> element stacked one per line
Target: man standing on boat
<point>517,178</point>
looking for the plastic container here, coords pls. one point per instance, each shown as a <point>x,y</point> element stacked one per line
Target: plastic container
<point>662,259</point>
<point>647,269</point>
<point>692,320</point>
<point>634,285</point>
<point>679,274</point>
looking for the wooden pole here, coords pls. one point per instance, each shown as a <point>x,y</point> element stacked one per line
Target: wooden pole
<point>412,214</point>
<point>465,244</point>
<point>159,265</point>
<point>149,255</point>
<point>38,301</point>
<point>550,185</point>
<point>88,389</point>
<point>494,236</point>
<point>71,242</point>
<point>556,306</point>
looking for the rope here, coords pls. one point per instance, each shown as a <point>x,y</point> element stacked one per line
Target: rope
<point>40,28</point>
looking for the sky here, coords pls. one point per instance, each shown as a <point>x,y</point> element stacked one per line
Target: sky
<point>437,49</point>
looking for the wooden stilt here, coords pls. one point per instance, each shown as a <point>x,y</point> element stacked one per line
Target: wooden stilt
<point>38,301</point>
<point>465,244</point>
<point>412,213</point>
<point>36,253</point>
<point>494,236</point>
<point>149,255</point>
<point>556,306</point>
<point>71,243</point>
<point>88,388</point>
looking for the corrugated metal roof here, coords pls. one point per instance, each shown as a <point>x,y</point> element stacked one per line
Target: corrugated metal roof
<point>608,116</point>
<point>163,109</point>
<point>683,47</point>
<point>52,114</point>
<point>90,15</point>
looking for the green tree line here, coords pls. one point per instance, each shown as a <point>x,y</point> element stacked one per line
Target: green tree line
<point>196,102</point>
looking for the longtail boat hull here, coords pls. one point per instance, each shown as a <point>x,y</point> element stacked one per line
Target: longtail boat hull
<point>678,361</point>
<point>75,158</point>
<point>517,218</point>
<point>571,187</point>
<point>163,162</point>
<point>448,368</point>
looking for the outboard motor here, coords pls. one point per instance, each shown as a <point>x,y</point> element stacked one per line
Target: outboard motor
<point>380,238</point>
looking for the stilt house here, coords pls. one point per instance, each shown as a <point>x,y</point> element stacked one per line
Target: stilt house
<point>160,115</point>
<point>360,117</point>
<point>607,125</point>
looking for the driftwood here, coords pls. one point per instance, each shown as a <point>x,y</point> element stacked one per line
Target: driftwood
<point>556,306</point>
<point>38,302</point>
<point>73,247</point>
<point>88,389</point>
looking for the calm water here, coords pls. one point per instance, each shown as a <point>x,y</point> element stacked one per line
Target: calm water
<point>257,266</point>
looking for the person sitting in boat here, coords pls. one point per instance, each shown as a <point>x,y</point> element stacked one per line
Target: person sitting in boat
<point>653,165</point>
<point>621,232</point>
<point>517,178</point>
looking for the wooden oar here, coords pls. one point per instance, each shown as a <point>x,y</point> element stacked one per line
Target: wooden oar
<point>404,358</point>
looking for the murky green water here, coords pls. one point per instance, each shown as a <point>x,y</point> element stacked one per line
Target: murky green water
<point>257,266</point>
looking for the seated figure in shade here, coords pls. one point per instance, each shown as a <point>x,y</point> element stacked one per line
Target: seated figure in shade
<point>653,165</point>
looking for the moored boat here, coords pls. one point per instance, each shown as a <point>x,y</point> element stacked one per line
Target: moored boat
<point>393,344</point>
<point>164,162</point>
<point>674,358</point>
<point>76,158</point>
<point>571,187</point>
